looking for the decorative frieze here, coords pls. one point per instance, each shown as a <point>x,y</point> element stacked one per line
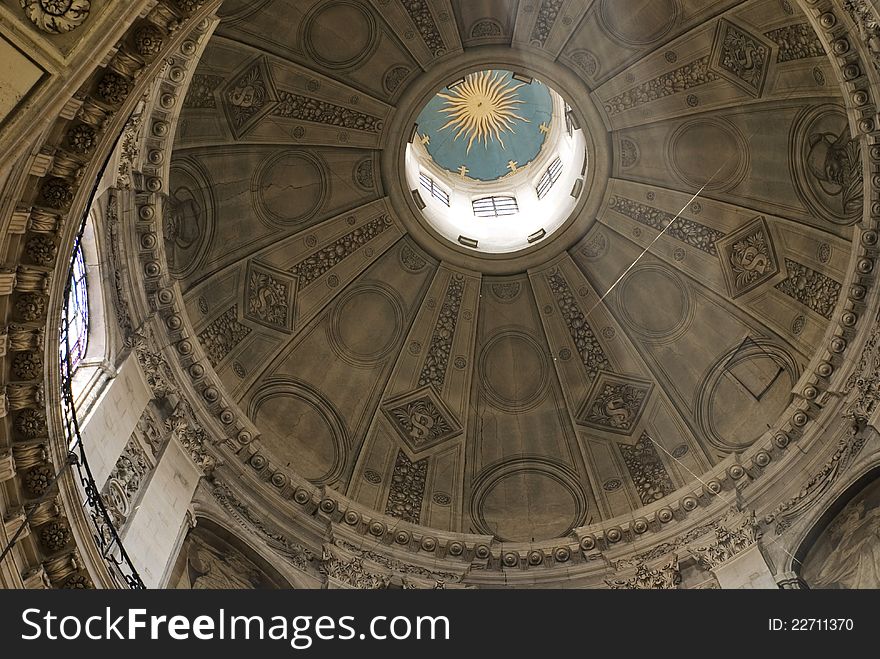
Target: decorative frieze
<point>299,556</point>
<point>748,258</point>
<point>351,571</point>
<point>646,468</point>
<point>588,347</point>
<point>222,335</point>
<point>662,577</point>
<point>420,14</point>
<point>303,108</point>
<point>314,266</point>
<point>731,539</point>
<point>407,488</point>
<point>548,12</point>
<point>682,229</point>
<point>682,79</point>
<point>798,41</point>
<point>814,290</point>
<point>437,359</point>
<point>787,512</point>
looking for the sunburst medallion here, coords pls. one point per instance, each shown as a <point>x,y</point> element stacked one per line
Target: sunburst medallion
<point>483,108</point>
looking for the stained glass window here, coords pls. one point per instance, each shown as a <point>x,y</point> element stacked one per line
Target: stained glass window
<point>77,309</point>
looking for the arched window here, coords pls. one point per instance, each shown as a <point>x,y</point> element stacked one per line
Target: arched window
<point>495,206</point>
<point>554,171</point>
<point>76,338</point>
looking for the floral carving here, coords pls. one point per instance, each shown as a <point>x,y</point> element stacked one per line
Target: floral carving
<point>687,231</point>
<point>730,540</point>
<point>57,193</point>
<point>82,138</point>
<point>666,576</point>
<point>114,88</point>
<point>30,307</point>
<point>796,42</point>
<point>201,91</point>
<point>222,335</point>
<point>685,77</point>
<point>750,259</point>
<point>31,424</point>
<point>55,536</point>
<point>268,298</point>
<point>27,365</point>
<point>485,29</point>
<point>148,41</point>
<point>585,341</point>
<point>407,489</point>
<point>351,572</point>
<point>647,470</point>
<point>421,419</point>
<point>813,289</point>
<point>420,14</point>
<point>38,480</point>
<point>393,77</point>
<point>616,403</point>
<point>314,266</point>
<point>547,14</point>
<point>41,250</point>
<point>57,16</point>
<point>296,106</point>
<point>437,360</point>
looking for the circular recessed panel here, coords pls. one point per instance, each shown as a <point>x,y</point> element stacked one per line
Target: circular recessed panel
<point>299,430</point>
<point>654,302</point>
<point>366,324</point>
<point>639,22</point>
<point>709,153</point>
<point>339,34</point>
<point>513,371</point>
<point>745,392</point>
<point>526,505</point>
<point>290,187</point>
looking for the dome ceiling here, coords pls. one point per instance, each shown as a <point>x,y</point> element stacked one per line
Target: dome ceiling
<point>487,121</point>
<point>599,379</point>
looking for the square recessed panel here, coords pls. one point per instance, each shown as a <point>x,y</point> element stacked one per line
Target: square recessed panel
<point>249,96</point>
<point>269,296</point>
<point>615,403</point>
<point>421,419</point>
<point>18,78</point>
<point>748,257</point>
<point>741,57</point>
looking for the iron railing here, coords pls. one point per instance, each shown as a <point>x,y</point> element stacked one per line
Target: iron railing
<point>104,532</point>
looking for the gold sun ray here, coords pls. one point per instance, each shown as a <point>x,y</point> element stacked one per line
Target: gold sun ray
<point>482,108</point>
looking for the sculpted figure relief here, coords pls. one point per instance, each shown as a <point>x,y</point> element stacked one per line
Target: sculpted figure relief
<point>847,554</point>
<point>835,163</point>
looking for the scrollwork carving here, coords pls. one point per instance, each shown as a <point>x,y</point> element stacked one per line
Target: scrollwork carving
<point>57,16</point>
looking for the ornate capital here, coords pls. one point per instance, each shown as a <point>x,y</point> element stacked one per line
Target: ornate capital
<point>663,577</point>
<point>730,540</point>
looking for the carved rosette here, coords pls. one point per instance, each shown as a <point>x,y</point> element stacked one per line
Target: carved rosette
<point>57,16</point>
